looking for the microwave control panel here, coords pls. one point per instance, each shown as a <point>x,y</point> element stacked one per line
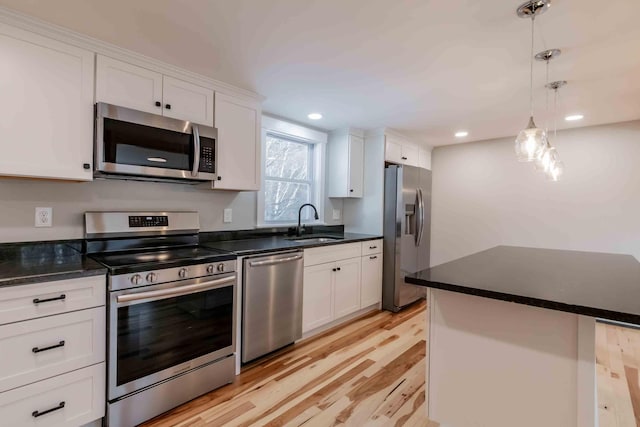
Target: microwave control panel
<point>148,221</point>
<point>207,155</point>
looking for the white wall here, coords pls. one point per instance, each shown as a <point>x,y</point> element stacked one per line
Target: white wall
<point>18,198</point>
<point>482,197</point>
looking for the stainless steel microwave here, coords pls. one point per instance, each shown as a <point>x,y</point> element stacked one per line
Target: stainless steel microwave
<point>131,144</point>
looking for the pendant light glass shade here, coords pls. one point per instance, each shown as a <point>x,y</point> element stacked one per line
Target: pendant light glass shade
<point>530,143</point>
<point>556,170</point>
<point>546,159</point>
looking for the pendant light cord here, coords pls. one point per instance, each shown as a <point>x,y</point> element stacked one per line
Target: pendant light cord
<point>546,101</point>
<point>531,70</point>
<point>555,114</point>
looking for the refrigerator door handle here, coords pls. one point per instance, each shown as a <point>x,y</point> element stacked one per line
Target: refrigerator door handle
<point>420,216</point>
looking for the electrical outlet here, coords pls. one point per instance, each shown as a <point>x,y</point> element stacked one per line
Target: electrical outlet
<point>44,217</point>
<point>228,216</point>
<point>336,214</point>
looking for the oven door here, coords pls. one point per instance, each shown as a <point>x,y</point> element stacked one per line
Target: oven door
<point>157,332</point>
<point>132,142</point>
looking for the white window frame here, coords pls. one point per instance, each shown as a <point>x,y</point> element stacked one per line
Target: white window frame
<point>285,129</point>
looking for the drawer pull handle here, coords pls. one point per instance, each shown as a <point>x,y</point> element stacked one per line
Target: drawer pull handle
<point>51,347</point>
<point>373,247</point>
<point>36,414</point>
<point>60,298</point>
<point>373,257</point>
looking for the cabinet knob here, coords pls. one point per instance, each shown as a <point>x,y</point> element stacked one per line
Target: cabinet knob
<point>87,166</point>
<point>158,104</point>
<point>351,191</point>
<point>219,178</point>
<point>335,269</point>
<point>167,106</point>
<point>338,268</point>
<point>404,158</point>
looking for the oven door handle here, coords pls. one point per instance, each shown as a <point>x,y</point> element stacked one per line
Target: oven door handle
<point>175,292</point>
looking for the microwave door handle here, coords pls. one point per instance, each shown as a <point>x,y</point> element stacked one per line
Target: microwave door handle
<point>196,151</point>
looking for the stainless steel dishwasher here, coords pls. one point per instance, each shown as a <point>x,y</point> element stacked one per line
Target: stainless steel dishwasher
<point>271,302</point>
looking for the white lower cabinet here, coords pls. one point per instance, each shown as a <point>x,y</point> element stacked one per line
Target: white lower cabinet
<point>71,399</point>
<point>317,297</point>
<point>371,291</point>
<point>40,348</point>
<point>346,286</point>
<point>52,353</point>
<point>337,281</point>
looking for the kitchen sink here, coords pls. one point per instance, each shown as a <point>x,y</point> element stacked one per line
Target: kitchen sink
<point>316,239</point>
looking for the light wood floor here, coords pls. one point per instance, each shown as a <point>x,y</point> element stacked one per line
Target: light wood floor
<point>617,364</point>
<point>370,372</point>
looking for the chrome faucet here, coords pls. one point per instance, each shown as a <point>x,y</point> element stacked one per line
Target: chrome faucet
<point>298,228</point>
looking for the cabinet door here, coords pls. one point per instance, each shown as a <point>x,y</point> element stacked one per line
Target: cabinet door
<point>356,166</point>
<point>371,291</point>
<point>127,85</point>
<point>186,101</point>
<point>238,124</point>
<point>317,296</point>
<point>424,159</point>
<point>346,297</point>
<point>393,151</point>
<point>46,113</point>
<point>410,155</point>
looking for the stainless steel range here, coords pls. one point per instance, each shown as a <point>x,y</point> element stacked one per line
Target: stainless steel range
<point>171,311</point>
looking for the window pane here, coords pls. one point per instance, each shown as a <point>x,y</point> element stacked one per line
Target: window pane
<point>283,199</point>
<point>287,159</point>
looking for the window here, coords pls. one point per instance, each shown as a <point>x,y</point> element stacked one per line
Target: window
<point>288,179</point>
<point>292,172</point>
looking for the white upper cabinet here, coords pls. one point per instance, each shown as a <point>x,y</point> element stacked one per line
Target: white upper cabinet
<point>130,86</point>
<point>127,85</point>
<point>46,117</point>
<point>410,155</point>
<point>186,101</point>
<point>405,153</point>
<point>392,150</point>
<point>424,159</point>
<point>345,165</point>
<point>238,150</point>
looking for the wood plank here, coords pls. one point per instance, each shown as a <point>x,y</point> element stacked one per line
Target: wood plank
<point>368,370</point>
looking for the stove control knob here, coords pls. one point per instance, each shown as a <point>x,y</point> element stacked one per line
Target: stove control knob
<point>152,277</point>
<point>182,273</point>
<point>220,267</point>
<point>210,269</point>
<point>136,279</point>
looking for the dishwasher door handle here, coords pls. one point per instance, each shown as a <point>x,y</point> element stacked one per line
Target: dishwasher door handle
<point>275,261</point>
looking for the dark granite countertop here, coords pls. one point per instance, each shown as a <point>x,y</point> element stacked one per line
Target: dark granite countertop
<point>594,284</point>
<point>33,262</point>
<point>259,245</point>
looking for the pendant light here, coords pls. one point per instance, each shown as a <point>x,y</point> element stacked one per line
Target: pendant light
<point>545,156</point>
<point>531,141</point>
<point>554,167</point>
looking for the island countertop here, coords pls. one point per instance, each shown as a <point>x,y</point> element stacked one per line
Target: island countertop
<point>594,284</point>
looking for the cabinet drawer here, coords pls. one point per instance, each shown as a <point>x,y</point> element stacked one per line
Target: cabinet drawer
<point>372,247</point>
<point>41,348</point>
<point>79,395</point>
<point>331,253</point>
<point>29,301</point>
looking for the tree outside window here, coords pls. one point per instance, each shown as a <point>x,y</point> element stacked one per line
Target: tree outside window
<point>288,179</point>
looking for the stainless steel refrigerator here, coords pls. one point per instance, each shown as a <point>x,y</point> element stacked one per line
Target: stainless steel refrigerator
<point>407,232</point>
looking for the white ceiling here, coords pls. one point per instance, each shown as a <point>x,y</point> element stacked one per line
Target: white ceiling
<point>425,68</point>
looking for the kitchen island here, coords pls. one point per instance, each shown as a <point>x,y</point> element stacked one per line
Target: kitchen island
<point>532,363</point>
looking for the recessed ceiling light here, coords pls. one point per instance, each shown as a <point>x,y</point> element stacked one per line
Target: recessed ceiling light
<point>574,117</point>
<point>461,134</point>
<point>315,116</point>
